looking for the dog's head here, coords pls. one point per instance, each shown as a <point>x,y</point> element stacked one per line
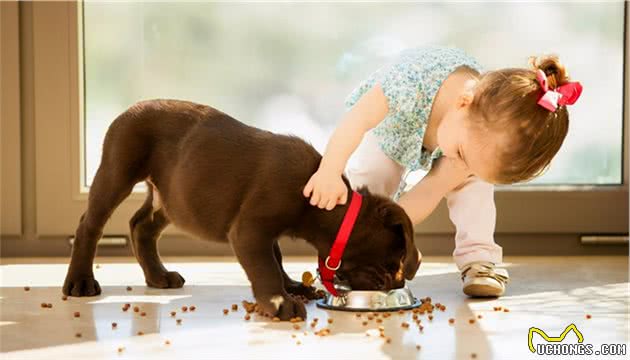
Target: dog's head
<point>380,253</point>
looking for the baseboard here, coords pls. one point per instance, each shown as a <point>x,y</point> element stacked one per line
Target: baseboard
<point>429,244</point>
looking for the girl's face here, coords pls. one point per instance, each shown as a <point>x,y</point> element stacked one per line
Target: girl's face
<point>466,145</point>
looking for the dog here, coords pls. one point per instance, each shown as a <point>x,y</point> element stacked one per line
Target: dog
<point>219,179</point>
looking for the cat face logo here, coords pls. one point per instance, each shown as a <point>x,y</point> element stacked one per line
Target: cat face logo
<point>547,338</point>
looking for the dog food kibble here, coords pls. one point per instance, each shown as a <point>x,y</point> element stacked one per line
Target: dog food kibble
<point>323,332</point>
<point>588,316</point>
<point>247,317</point>
<point>451,321</point>
<point>78,335</point>
<point>420,327</point>
<point>388,340</point>
<point>136,309</point>
<point>358,315</point>
<point>143,314</point>
<point>179,321</point>
<point>497,308</point>
<point>275,319</point>
<point>370,317</point>
<point>430,317</point>
<point>121,349</point>
<point>77,314</point>
<point>167,342</point>
<point>26,288</point>
<point>293,336</point>
<point>405,325</point>
<point>225,311</point>
<point>173,313</point>
<point>193,308</point>
<point>307,278</point>
<point>140,333</point>
<point>415,317</point>
<point>64,298</point>
<point>473,356</point>
<point>44,305</point>
<point>313,324</point>
<point>114,325</point>
<point>330,320</point>
<point>418,347</point>
<point>479,316</point>
<point>379,320</point>
<point>129,288</point>
<point>299,342</point>
<point>471,321</point>
<point>234,307</point>
<point>184,308</point>
<point>506,310</point>
<point>365,323</point>
<point>296,326</point>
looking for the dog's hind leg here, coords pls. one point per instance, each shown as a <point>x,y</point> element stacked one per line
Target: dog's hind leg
<point>146,225</point>
<point>108,190</point>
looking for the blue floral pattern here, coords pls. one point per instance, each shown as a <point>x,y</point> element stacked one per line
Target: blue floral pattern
<point>410,85</point>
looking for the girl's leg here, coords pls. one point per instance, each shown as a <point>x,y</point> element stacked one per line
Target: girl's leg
<point>472,211</point>
<point>370,167</point>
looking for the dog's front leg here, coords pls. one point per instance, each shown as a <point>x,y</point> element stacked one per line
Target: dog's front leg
<point>254,250</point>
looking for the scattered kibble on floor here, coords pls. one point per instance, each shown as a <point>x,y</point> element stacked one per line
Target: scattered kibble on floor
<point>129,288</point>
<point>77,314</point>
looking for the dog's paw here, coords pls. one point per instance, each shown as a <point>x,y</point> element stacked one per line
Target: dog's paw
<point>81,286</point>
<point>167,280</point>
<point>297,288</point>
<point>283,307</point>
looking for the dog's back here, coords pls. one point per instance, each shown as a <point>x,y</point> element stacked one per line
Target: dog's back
<point>207,166</point>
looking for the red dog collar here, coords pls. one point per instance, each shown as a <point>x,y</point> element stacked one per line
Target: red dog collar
<point>328,267</point>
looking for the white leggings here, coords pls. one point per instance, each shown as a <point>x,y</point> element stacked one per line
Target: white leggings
<point>471,205</point>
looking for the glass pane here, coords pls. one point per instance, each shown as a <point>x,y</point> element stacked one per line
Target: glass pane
<point>287,67</point>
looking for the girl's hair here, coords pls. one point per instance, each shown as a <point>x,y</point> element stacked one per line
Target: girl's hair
<point>506,101</point>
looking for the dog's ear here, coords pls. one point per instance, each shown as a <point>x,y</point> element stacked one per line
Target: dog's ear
<point>395,217</point>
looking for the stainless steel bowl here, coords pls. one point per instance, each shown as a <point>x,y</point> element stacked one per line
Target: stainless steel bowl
<point>391,300</point>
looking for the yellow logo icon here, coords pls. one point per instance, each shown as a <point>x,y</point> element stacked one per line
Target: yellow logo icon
<point>547,338</point>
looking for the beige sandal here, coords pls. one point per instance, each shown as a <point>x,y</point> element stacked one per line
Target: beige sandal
<point>482,279</point>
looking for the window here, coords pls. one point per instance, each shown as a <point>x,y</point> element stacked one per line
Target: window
<point>287,67</point>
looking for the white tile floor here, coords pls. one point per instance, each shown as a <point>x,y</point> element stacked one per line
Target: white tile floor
<point>546,292</point>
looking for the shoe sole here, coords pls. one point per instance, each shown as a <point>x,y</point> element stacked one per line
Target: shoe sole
<point>478,290</point>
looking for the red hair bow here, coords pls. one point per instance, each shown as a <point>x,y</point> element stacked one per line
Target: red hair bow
<point>566,94</point>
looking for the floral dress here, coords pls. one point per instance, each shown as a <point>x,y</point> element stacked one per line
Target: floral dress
<point>410,84</point>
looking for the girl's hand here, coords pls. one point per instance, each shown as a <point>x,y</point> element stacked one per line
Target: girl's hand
<point>326,190</point>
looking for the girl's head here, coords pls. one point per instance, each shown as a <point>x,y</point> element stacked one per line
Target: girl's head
<point>497,126</point>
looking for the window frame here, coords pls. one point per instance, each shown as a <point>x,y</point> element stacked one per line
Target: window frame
<point>59,127</point>
<point>10,160</point>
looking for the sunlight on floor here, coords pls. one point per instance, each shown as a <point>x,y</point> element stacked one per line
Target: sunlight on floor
<point>543,293</point>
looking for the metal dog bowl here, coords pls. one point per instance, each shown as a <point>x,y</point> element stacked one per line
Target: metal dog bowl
<point>359,300</point>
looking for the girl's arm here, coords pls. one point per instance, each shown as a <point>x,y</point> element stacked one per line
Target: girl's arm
<point>325,185</point>
<point>445,175</point>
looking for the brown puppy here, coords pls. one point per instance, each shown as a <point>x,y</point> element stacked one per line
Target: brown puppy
<point>222,180</point>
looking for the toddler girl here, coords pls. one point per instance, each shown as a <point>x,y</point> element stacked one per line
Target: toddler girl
<point>435,109</point>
